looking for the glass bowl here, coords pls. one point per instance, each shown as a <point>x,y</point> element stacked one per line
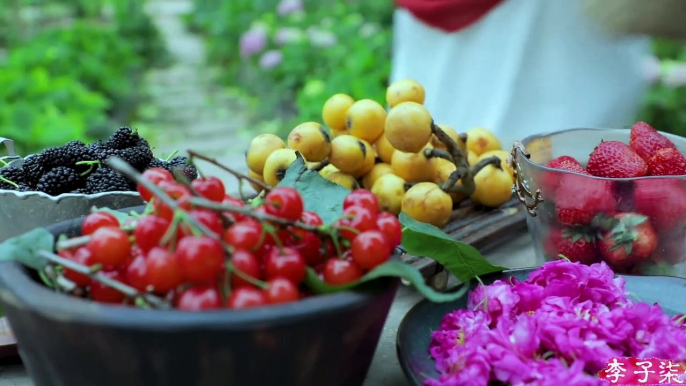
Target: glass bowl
<point>636,225</point>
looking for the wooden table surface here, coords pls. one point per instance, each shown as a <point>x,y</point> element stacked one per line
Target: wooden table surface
<point>517,252</point>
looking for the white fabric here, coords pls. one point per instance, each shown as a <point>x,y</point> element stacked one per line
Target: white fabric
<point>527,67</point>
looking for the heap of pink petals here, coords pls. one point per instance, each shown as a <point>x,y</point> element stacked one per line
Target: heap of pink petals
<point>559,327</point>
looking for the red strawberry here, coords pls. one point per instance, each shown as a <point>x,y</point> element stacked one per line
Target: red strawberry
<point>645,140</point>
<point>627,239</point>
<point>577,245</point>
<point>663,201</point>
<point>667,162</point>
<point>551,180</point>
<point>613,159</point>
<point>580,198</point>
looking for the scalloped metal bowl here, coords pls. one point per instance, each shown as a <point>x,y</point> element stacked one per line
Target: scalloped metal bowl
<point>21,212</point>
<point>579,143</point>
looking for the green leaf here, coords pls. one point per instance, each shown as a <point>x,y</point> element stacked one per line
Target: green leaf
<point>120,216</point>
<point>462,260</point>
<point>319,194</point>
<point>392,268</point>
<point>25,248</point>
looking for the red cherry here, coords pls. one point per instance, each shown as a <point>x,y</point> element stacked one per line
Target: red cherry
<point>370,249</point>
<point>391,227</point>
<point>175,191</point>
<point>206,217</point>
<point>163,270</point>
<point>104,294</point>
<point>149,231</point>
<point>82,256</point>
<point>285,263</point>
<point>309,245</point>
<point>198,299</point>
<point>311,218</point>
<point>356,217</point>
<point>246,297</point>
<point>136,274</point>
<point>201,258</point>
<point>97,220</point>
<point>246,234</point>
<point>209,187</point>
<point>238,203</point>
<point>247,264</point>
<point>340,272</point>
<point>110,246</point>
<point>284,202</point>
<point>363,198</point>
<point>156,176</point>
<point>281,291</point>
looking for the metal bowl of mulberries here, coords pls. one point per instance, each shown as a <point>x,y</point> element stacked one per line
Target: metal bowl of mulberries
<point>67,181</point>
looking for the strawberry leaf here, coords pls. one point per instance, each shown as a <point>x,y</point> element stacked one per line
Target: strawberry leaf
<point>25,249</point>
<point>319,194</point>
<point>391,268</point>
<point>460,259</point>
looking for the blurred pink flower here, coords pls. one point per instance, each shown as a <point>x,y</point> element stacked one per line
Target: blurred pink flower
<point>319,38</point>
<point>470,367</point>
<point>496,300</point>
<point>252,42</point>
<point>287,35</point>
<point>271,59</point>
<point>554,372</point>
<point>286,7</point>
<point>675,76</point>
<point>651,69</point>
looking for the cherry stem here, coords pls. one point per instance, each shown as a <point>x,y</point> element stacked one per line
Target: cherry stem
<point>124,168</point>
<point>235,173</point>
<point>347,228</point>
<point>130,292</point>
<point>5,180</point>
<point>207,204</point>
<point>171,231</point>
<point>72,243</point>
<point>256,282</point>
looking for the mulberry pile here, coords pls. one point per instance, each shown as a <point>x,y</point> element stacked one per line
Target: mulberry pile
<point>79,168</point>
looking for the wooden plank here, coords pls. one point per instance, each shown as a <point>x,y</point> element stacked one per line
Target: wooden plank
<point>479,227</point>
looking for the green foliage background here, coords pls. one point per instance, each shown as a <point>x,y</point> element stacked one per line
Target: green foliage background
<point>73,69</point>
<point>357,64</point>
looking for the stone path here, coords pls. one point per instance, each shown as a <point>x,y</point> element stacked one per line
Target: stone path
<point>194,112</point>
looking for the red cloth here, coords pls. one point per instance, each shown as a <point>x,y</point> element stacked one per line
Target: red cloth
<point>448,15</point>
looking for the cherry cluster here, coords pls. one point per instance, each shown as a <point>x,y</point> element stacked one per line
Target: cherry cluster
<point>200,248</point>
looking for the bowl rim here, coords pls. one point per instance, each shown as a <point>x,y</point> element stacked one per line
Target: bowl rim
<point>533,164</point>
<point>21,291</point>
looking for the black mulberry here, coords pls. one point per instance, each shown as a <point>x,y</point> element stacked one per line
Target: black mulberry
<point>59,180</point>
<point>33,168</point>
<point>181,163</point>
<point>124,138</point>
<point>16,175</point>
<point>67,155</point>
<point>99,151</point>
<point>158,163</point>
<point>106,179</point>
<point>138,156</point>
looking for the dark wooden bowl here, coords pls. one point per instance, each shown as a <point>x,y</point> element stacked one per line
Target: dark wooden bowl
<point>323,340</point>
